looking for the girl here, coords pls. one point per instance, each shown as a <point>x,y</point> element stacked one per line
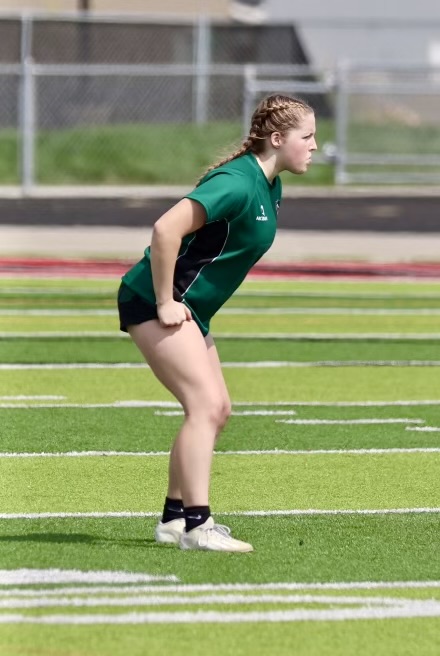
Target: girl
<point>201,250</point>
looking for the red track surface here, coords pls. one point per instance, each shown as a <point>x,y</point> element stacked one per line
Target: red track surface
<point>83,268</point>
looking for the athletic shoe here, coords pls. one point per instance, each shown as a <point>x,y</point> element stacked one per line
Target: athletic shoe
<point>212,537</point>
<point>169,532</point>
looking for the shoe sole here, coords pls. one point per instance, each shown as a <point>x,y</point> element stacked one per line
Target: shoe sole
<point>167,539</point>
<point>193,547</point>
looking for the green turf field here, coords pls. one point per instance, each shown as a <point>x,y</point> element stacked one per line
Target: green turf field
<point>330,466</point>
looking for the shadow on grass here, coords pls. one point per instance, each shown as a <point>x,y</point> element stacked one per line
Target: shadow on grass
<point>79,538</point>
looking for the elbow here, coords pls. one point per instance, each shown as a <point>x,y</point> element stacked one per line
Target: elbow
<point>163,238</point>
<point>160,234</point>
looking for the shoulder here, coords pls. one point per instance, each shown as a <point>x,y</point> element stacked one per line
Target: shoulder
<point>225,191</point>
<point>237,177</point>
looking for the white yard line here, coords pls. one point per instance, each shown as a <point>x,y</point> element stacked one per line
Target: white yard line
<point>235,413</point>
<point>268,364</point>
<point>334,295</point>
<point>201,599</point>
<point>289,404</point>
<point>413,609</point>
<point>27,576</point>
<point>264,364</point>
<point>330,311</point>
<point>270,452</point>
<point>305,422</point>
<point>302,311</point>
<point>110,293</point>
<point>40,397</point>
<point>348,422</point>
<point>224,335</point>
<point>8,291</point>
<point>327,336</point>
<point>46,577</point>
<point>245,513</point>
<point>116,404</point>
<point>59,312</point>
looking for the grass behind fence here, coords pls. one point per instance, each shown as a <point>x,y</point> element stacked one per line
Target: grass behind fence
<point>133,154</point>
<point>178,154</point>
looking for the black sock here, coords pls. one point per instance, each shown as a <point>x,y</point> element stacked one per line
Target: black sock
<point>196,516</point>
<point>173,509</point>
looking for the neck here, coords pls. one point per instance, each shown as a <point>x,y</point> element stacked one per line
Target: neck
<point>267,162</point>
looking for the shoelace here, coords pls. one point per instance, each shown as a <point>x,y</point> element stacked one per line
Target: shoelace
<point>222,529</point>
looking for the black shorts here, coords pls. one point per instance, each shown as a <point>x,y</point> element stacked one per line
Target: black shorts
<point>133,309</point>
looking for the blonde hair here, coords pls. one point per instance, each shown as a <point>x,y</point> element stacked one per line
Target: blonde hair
<point>275,113</point>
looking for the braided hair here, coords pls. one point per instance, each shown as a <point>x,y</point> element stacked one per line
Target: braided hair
<point>276,113</point>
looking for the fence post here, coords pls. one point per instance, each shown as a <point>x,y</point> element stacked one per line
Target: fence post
<point>250,76</point>
<point>341,175</point>
<point>202,66</point>
<point>27,108</point>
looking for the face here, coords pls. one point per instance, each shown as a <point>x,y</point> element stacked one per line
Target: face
<point>295,147</point>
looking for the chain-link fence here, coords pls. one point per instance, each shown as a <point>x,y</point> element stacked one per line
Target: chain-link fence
<point>86,102</point>
<point>388,125</point>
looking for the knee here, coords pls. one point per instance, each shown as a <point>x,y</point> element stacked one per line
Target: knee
<point>225,413</point>
<point>219,413</point>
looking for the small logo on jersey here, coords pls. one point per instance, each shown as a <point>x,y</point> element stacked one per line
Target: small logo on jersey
<point>262,216</point>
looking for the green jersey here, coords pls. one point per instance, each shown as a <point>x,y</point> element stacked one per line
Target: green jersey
<point>241,217</point>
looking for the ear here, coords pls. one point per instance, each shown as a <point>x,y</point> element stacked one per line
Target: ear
<point>276,139</point>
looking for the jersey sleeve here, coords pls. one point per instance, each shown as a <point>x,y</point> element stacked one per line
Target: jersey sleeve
<point>224,195</point>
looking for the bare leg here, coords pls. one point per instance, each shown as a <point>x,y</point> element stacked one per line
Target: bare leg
<point>218,373</point>
<point>188,367</point>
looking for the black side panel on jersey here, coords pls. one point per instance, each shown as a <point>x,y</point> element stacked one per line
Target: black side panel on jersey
<point>207,244</point>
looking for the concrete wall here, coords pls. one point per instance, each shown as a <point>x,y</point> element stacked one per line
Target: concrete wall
<point>217,8</point>
<point>384,32</point>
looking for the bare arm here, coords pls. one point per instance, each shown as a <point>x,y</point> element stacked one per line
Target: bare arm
<point>184,217</point>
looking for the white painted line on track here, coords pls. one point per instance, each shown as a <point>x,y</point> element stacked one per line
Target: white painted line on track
<point>268,452</point>
<point>425,429</point>
<point>238,513</point>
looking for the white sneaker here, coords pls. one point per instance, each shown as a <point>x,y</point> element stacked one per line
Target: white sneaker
<point>170,532</point>
<point>212,537</point>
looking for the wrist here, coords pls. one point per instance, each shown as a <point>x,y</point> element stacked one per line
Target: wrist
<point>163,301</point>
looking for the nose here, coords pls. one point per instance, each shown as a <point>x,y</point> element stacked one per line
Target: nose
<point>313,144</point>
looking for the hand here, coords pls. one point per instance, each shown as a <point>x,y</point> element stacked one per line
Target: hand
<point>173,313</point>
